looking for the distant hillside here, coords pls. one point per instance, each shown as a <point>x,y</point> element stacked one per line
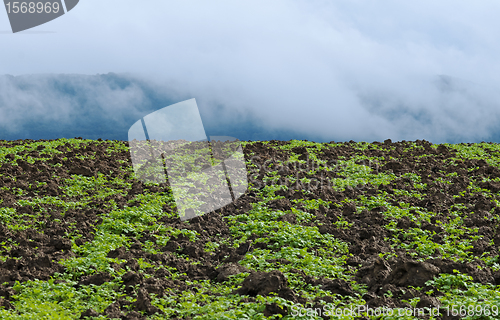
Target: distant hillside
<point>105,106</point>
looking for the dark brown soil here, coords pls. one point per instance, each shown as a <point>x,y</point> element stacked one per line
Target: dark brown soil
<point>38,250</point>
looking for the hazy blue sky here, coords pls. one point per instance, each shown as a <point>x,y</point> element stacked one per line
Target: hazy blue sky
<point>361,70</point>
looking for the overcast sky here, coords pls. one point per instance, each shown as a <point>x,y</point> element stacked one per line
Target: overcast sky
<point>361,70</point>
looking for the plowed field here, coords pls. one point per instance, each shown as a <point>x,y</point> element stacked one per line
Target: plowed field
<point>407,229</point>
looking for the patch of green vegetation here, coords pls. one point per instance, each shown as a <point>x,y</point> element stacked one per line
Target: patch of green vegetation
<point>465,298</point>
<point>53,200</point>
<point>99,187</point>
<point>302,143</point>
<point>354,174</point>
<point>60,299</point>
<point>18,221</point>
<point>478,151</point>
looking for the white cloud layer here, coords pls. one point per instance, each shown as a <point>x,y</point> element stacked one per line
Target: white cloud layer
<point>361,70</point>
